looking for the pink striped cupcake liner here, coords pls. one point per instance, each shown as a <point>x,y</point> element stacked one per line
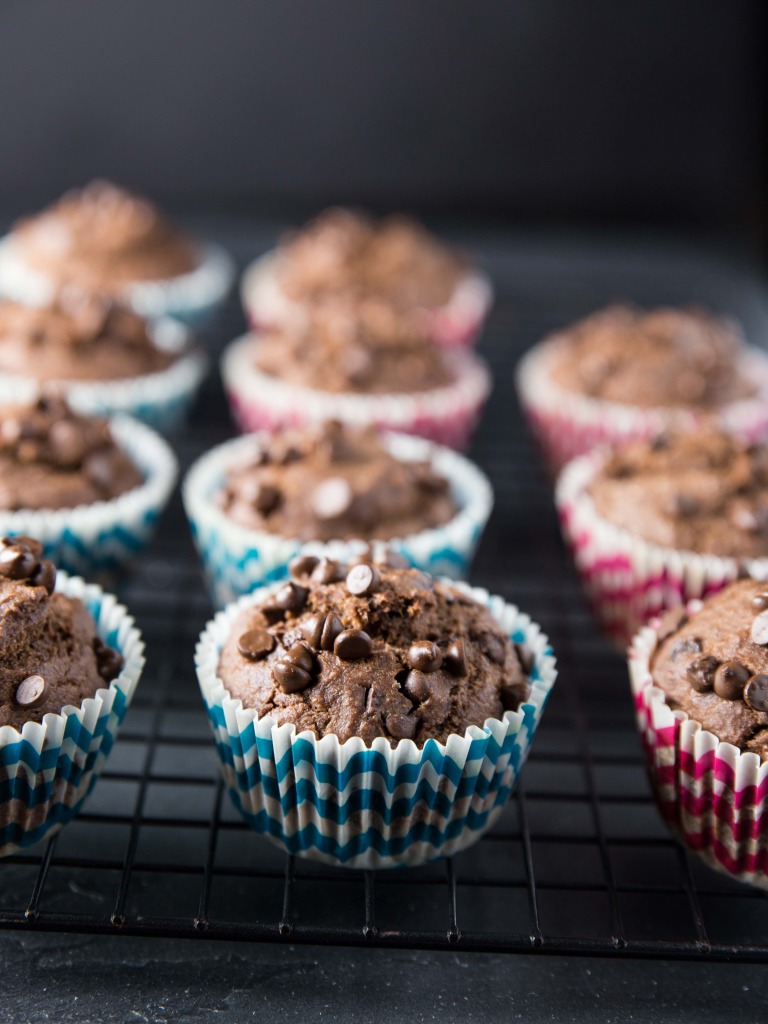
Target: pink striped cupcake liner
<point>457,324</point>
<point>628,580</point>
<point>567,424</point>
<point>447,415</point>
<point>712,796</point>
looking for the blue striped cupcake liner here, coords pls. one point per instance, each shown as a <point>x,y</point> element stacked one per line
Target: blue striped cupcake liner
<point>48,768</point>
<point>100,539</point>
<point>161,400</point>
<point>191,298</point>
<point>237,559</point>
<point>376,806</point>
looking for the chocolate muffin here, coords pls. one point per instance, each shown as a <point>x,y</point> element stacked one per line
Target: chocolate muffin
<point>350,345</point>
<point>52,458</point>
<point>331,481</point>
<point>81,337</point>
<point>705,492</point>
<point>346,253</point>
<point>663,357</point>
<point>103,238</point>
<point>52,656</point>
<point>713,664</point>
<point>372,650</point>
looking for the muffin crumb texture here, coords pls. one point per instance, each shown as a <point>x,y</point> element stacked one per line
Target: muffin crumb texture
<point>705,492</point>
<point>714,664</point>
<point>52,458</point>
<point>334,482</point>
<point>103,237</point>
<point>372,649</point>
<point>661,358</point>
<point>343,252</point>
<point>52,656</point>
<point>357,345</point>
<point>79,337</point>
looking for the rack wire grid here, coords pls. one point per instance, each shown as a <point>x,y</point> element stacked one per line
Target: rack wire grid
<point>579,862</point>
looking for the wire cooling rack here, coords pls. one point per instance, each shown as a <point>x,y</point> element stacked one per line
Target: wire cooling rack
<point>578,863</point>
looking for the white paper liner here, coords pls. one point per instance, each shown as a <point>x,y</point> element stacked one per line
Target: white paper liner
<point>455,324</point>
<point>190,297</point>
<point>159,399</point>
<point>102,537</point>
<point>446,414</point>
<point>629,580</point>
<point>237,559</point>
<point>567,424</point>
<point>48,768</point>
<point>711,794</point>
<point>371,806</point>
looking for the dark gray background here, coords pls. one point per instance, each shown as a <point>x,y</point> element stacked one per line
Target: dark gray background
<point>541,110</point>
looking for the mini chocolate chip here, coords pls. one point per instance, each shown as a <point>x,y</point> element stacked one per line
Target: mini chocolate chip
<point>327,571</point>
<point>265,498</point>
<point>300,655</point>
<point>526,658</point>
<point>425,656</point>
<point>256,644</point>
<point>292,672</point>
<point>23,541</point>
<point>289,598</point>
<point>400,726</point>
<point>67,442</point>
<point>686,505</point>
<point>494,648</point>
<point>417,686</point>
<point>17,562</point>
<point>30,693</point>
<point>389,559</point>
<point>363,579</point>
<point>289,677</point>
<point>303,566</point>
<point>756,693</point>
<point>759,631</point>
<point>454,659</point>
<point>513,695</point>
<point>685,645</point>
<point>701,673</point>
<point>760,602</point>
<point>44,576</point>
<point>352,644</point>
<point>659,443</point>
<point>332,498</point>
<point>730,680</point>
<point>312,629</point>
<point>109,662</point>
<point>332,627</point>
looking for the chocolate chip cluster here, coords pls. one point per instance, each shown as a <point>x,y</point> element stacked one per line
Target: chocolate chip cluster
<point>300,643</point>
<point>21,559</point>
<point>730,680</point>
<point>49,432</point>
<point>293,671</point>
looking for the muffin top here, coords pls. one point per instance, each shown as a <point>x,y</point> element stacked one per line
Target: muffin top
<point>80,337</point>
<point>51,458</point>
<point>372,650</point>
<point>662,358</point>
<point>103,238</point>
<point>330,482</point>
<point>349,344</point>
<point>52,656</point>
<point>705,492</point>
<point>393,259</point>
<point>714,664</point>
